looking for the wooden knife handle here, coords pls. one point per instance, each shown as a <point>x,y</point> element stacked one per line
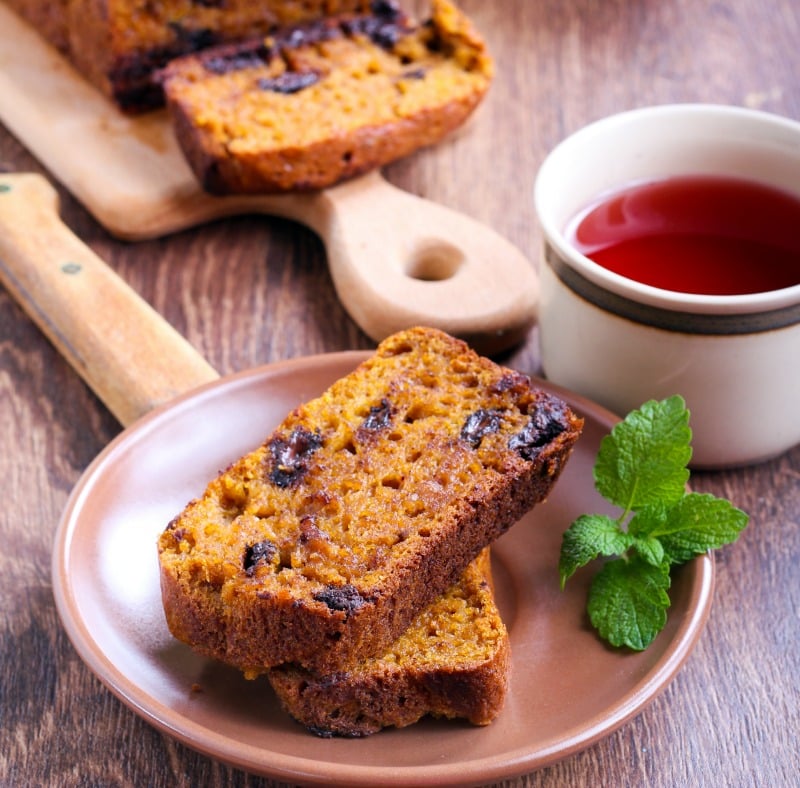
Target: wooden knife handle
<point>127,353</point>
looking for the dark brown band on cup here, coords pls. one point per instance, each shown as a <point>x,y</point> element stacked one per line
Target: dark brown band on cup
<point>668,319</point>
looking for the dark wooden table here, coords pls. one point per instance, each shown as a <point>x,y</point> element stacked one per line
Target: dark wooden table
<point>252,290</point>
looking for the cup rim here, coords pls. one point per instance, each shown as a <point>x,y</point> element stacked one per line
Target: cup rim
<point>629,288</point>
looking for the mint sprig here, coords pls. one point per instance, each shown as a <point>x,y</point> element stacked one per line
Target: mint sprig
<point>641,468</point>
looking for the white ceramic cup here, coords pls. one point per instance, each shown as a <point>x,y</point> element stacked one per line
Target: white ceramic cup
<point>734,359</point>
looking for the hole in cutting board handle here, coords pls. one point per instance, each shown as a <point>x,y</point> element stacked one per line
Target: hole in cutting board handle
<point>434,262</point>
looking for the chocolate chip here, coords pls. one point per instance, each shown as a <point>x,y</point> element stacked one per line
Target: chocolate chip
<point>305,34</point>
<point>259,553</point>
<point>289,82</point>
<point>346,598</point>
<point>388,8</point>
<point>547,421</point>
<point>511,380</point>
<point>193,40</point>
<point>379,417</point>
<point>382,34</point>
<point>236,61</point>
<point>290,456</point>
<point>384,26</point>
<point>481,422</point>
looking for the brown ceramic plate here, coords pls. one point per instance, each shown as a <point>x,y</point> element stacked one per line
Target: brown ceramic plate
<point>567,689</point>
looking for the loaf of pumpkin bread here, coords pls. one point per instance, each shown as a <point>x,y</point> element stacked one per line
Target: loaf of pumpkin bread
<point>452,662</point>
<point>321,546</point>
<point>314,104</point>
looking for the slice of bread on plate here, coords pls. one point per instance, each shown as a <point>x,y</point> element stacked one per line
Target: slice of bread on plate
<point>321,546</point>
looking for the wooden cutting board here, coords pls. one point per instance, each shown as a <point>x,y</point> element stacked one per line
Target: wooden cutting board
<point>395,259</point>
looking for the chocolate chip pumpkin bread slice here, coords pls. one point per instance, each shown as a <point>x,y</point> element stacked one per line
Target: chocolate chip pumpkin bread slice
<point>313,104</point>
<point>452,662</point>
<point>322,545</point>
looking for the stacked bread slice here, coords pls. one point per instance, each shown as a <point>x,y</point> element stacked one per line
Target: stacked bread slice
<point>346,556</point>
<point>453,661</point>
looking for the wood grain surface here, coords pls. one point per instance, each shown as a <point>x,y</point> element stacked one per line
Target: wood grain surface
<point>251,289</point>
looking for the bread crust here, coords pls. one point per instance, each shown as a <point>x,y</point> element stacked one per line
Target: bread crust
<point>427,453</point>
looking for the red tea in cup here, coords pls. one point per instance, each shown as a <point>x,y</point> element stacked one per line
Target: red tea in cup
<point>700,234</point>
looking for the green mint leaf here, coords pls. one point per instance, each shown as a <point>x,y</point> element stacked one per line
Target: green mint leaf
<point>628,602</point>
<point>697,523</point>
<point>643,461</point>
<point>641,467</point>
<point>650,549</point>
<point>589,536</point>
<point>641,527</point>
<point>647,520</point>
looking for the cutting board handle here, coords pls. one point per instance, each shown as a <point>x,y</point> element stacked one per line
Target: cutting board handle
<point>398,260</point>
<point>127,353</point>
